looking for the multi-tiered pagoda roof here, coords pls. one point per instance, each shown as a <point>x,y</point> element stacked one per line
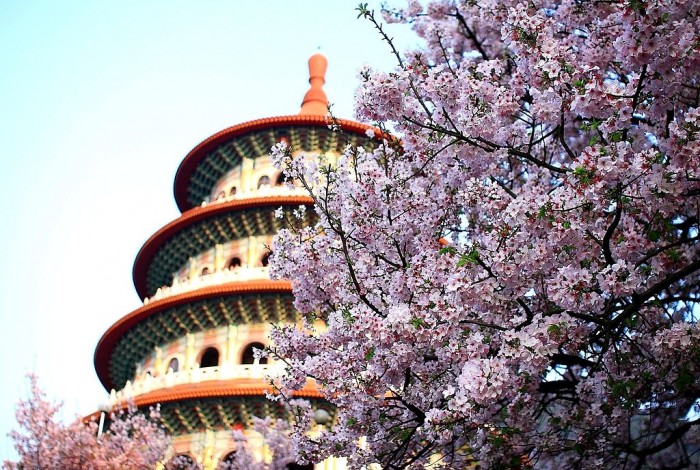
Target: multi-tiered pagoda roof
<point>203,279</point>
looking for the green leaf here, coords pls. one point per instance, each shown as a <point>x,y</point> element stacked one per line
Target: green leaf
<point>554,329</point>
<point>369,354</point>
<point>361,10</point>
<point>637,5</point>
<point>348,316</point>
<point>469,258</point>
<point>660,158</point>
<point>585,176</point>
<point>674,254</point>
<point>593,124</point>
<point>447,250</point>
<point>497,441</point>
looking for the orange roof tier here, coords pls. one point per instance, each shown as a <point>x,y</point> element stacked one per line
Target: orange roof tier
<point>216,406</point>
<point>219,405</point>
<point>217,388</point>
<point>201,228</point>
<point>134,336</point>
<point>209,161</point>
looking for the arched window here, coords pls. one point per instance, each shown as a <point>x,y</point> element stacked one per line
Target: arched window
<point>233,263</point>
<point>281,178</point>
<point>174,364</point>
<point>263,181</point>
<point>232,191</point>
<point>181,462</point>
<point>248,356</point>
<point>221,195</point>
<point>210,358</point>
<point>265,260</point>
<point>227,461</point>
<point>205,271</point>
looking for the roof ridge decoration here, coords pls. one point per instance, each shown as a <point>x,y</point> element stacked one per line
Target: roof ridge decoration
<point>315,100</point>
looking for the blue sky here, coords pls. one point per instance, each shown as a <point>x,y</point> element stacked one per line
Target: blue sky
<point>99,103</point>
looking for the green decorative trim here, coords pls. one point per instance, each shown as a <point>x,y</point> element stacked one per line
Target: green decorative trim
<point>258,144</point>
<point>203,235</point>
<point>214,414</point>
<point>168,325</point>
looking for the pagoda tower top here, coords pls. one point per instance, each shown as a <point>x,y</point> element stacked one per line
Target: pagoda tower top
<point>315,100</point>
<point>209,161</point>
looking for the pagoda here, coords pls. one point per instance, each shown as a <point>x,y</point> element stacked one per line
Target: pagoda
<point>208,302</point>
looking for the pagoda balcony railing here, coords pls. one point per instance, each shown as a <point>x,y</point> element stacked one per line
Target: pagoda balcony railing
<point>263,191</point>
<point>217,277</point>
<point>148,383</point>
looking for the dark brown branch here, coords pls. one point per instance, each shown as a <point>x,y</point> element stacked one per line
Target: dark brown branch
<point>485,145</point>
<point>470,34</point>
<point>562,139</point>
<point>639,299</point>
<point>537,161</point>
<point>503,187</point>
<point>570,360</point>
<point>557,386</point>
<point>674,436</point>
<point>613,225</point>
<point>661,249</point>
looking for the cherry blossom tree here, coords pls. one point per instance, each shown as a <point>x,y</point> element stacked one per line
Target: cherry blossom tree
<point>275,437</point>
<point>512,279</point>
<point>131,440</point>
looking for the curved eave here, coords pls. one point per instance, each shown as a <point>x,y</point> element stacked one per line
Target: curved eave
<point>149,250</point>
<point>109,340</point>
<point>200,152</point>
<point>216,389</point>
<point>216,405</point>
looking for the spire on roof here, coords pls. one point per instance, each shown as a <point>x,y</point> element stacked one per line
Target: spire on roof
<point>315,100</point>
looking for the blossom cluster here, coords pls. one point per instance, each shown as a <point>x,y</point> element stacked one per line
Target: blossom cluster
<point>129,440</point>
<point>553,147</point>
<point>275,435</point>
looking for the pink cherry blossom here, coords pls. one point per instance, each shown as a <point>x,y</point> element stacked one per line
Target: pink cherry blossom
<point>275,436</point>
<point>130,440</point>
<point>554,148</point>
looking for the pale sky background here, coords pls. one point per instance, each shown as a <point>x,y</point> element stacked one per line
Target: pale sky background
<point>99,103</point>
